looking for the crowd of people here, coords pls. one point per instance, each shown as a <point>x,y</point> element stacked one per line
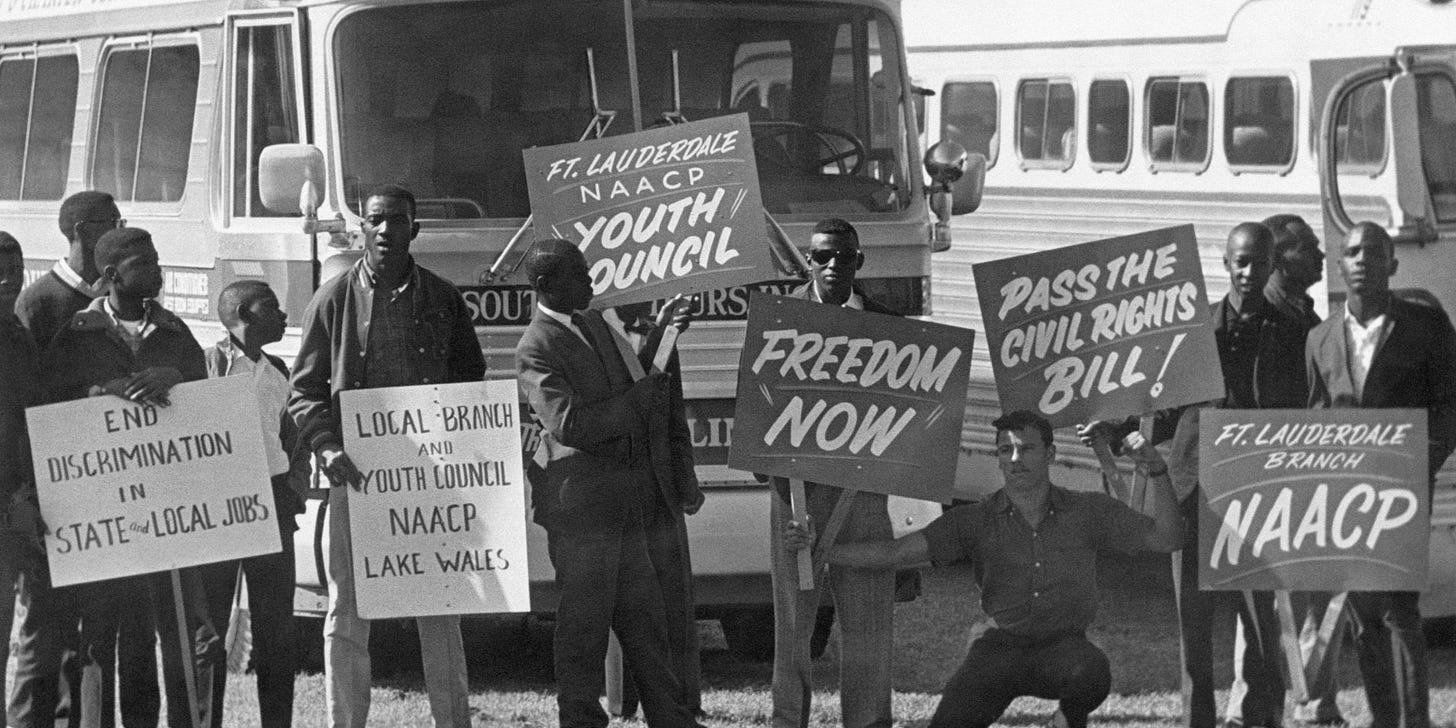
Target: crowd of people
<point>613,480</point>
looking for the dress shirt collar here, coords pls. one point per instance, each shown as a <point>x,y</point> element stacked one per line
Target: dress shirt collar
<point>368,277</point>
<point>565,320</point>
<point>854,301</point>
<point>70,277</point>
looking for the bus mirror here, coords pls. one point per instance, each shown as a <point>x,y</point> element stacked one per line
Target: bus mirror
<point>290,178</point>
<point>945,162</point>
<point>1405,132</point>
<point>971,185</point>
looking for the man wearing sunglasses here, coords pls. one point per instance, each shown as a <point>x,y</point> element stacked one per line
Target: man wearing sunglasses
<point>864,599</point>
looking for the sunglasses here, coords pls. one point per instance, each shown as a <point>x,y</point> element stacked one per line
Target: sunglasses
<point>117,222</point>
<point>842,257</point>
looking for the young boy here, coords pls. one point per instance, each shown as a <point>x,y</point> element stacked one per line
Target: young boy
<point>250,312</point>
<point>125,344</point>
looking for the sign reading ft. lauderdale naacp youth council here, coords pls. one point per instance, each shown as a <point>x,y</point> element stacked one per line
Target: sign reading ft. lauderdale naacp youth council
<point>130,489</point>
<point>439,526</point>
<point>1328,500</point>
<point>860,400</point>
<point>659,212</point>
<point>1101,330</point>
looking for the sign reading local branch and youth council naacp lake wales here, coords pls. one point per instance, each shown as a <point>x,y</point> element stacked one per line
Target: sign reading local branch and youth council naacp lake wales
<point>1101,330</point>
<point>439,526</point>
<point>658,212</point>
<point>859,400</point>
<point>1328,500</point>
<point>130,489</point>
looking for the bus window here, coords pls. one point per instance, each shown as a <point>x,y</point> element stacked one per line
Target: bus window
<point>144,127</point>
<point>265,111</point>
<point>1258,128</point>
<point>968,114</point>
<point>1046,121</point>
<point>1436,102</point>
<point>1360,130</point>
<point>1109,124</point>
<point>1176,131</point>
<point>35,128</point>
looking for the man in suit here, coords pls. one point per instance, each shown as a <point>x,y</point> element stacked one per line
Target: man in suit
<point>1383,351</point>
<point>864,599</point>
<point>598,489</point>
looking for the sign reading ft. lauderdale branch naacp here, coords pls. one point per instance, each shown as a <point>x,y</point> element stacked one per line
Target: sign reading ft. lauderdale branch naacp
<point>439,526</point>
<point>1328,500</point>
<point>659,212</point>
<point>130,489</point>
<point>860,400</point>
<point>1101,330</point>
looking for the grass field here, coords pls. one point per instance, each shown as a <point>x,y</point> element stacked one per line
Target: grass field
<point>511,680</point>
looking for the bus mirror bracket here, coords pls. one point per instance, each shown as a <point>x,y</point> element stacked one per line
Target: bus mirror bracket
<point>957,181</point>
<point>290,180</point>
<point>1410,180</point>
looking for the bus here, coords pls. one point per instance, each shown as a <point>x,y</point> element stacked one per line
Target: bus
<point>1116,117</point>
<point>170,106</point>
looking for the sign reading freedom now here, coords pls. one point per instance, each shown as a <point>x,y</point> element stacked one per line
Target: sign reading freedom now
<point>1328,500</point>
<point>859,400</point>
<point>439,526</point>
<point>659,212</point>
<point>1101,330</point>
<point>130,489</point>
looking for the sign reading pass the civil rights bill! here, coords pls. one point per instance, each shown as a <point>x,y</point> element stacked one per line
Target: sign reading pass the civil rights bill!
<point>860,400</point>
<point>659,212</point>
<point>129,489</point>
<point>1329,500</point>
<point>439,526</point>
<point>1101,330</point>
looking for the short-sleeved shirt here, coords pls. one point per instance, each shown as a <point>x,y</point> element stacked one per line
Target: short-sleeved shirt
<point>1037,582</point>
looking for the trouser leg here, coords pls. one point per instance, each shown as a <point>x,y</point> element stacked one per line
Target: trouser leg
<point>1262,702</point>
<point>1309,614</point>
<point>992,675</point>
<point>45,680</point>
<point>794,615</point>
<point>446,680</point>
<point>667,547</point>
<point>101,604</point>
<point>1391,649</point>
<point>12,551</point>
<point>347,668</point>
<point>138,689</point>
<point>1074,672</point>
<point>202,652</point>
<point>586,577</point>
<point>864,603</point>
<point>270,582</point>
<point>1195,628</point>
<point>639,619</point>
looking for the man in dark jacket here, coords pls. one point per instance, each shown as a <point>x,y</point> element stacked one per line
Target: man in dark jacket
<point>385,322</point>
<point>1383,351</point>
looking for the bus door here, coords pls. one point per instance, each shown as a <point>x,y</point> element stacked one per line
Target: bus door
<point>1386,145</point>
<point>262,103</point>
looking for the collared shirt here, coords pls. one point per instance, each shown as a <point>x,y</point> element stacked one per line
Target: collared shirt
<point>1363,341</point>
<point>270,388</point>
<point>70,277</point>
<point>132,332</point>
<point>1036,582</point>
<point>854,301</point>
<point>565,320</point>
<point>368,277</point>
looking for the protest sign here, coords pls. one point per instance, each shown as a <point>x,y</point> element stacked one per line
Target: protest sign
<point>439,526</point>
<point>131,489</point>
<point>1328,500</point>
<point>658,212</point>
<point>1101,330</point>
<point>859,400</point>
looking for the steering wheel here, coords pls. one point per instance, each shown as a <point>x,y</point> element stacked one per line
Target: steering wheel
<point>785,134</point>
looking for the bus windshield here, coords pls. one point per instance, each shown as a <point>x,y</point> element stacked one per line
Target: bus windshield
<point>443,97</point>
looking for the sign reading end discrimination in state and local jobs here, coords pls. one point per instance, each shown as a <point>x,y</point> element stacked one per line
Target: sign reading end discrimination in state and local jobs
<point>129,489</point>
<point>439,526</point>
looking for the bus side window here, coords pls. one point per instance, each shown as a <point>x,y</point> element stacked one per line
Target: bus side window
<point>1177,122</point>
<point>1109,123</point>
<point>37,114</point>
<point>144,128</point>
<point>1258,126</point>
<point>968,114</point>
<point>1360,130</point>
<point>1436,101</point>
<point>265,110</point>
<point>1046,122</point>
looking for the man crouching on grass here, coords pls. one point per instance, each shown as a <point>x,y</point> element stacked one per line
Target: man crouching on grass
<point>1034,550</point>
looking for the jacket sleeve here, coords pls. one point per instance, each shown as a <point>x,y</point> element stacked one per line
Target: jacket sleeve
<point>1441,416</point>
<point>1319,392</point>
<point>563,413</point>
<point>65,367</point>
<point>467,364</point>
<point>311,403</point>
